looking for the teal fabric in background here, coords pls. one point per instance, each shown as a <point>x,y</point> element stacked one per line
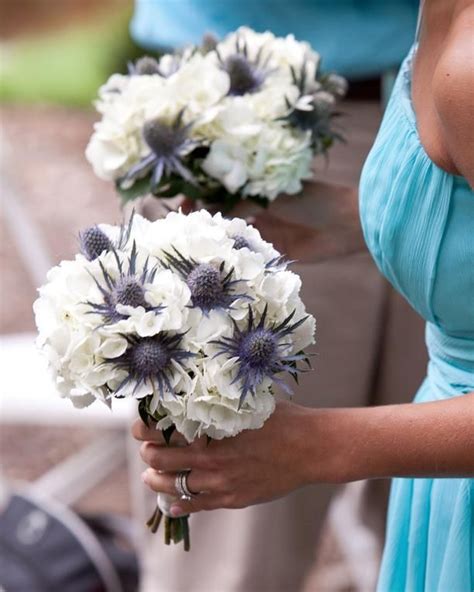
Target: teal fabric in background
<point>357,38</point>
<point>418,222</point>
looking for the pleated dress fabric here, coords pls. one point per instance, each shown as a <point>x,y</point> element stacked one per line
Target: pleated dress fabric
<point>418,221</point>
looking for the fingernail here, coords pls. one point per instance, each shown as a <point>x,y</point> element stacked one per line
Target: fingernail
<point>176,511</point>
<point>145,477</point>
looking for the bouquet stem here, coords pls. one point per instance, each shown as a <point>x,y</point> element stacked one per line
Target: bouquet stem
<point>176,529</point>
<point>155,520</point>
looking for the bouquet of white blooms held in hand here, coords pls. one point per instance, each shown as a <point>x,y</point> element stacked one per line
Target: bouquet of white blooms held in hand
<point>237,119</point>
<point>194,316</point>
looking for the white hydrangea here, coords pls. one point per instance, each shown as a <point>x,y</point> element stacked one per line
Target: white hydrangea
<point>281,162</point>
<point>129,321</point>
<point>117,143</point>
<point>242,100</point>
<point>214,404</point>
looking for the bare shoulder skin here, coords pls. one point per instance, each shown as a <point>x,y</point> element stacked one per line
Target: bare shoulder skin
<point>443,85</point>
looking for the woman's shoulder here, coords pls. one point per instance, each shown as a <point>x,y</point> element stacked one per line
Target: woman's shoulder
<point>453,91</point>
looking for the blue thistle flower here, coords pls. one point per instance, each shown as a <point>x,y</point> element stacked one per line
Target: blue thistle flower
<point>318,117</point>
<point>278,263</point>
<point>246,75</point>
<point>261,353</point>
<point>168,145</point>
<point>127,289</point>
<point>148,66</point>
<point>150,360</point>
<point>93,241</point>
<point>240,242</point>
<point>211,287</point>
<point>144,66</point>
<point>209,43</point>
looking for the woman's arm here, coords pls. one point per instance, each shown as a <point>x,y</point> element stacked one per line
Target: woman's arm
<point>298,446</point>
<point>433,439</point>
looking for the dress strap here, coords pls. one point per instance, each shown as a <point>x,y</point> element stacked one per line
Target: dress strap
<point>418,23</point>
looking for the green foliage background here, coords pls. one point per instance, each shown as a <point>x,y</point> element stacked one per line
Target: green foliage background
<point>66,67</point>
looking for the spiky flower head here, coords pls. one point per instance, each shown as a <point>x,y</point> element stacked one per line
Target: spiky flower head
<point>209,43</point>
<point>314,109</point>
<point>262,352</point>
<point>93,241</point>
<point>150,361</point>
<point>278,263</point>
<point>317,118</point>
<point>168,144</point>
<point>246,75</point>
<point>211,286</point>
<point>240,242</point>
<point>126,289</point>
<point>144,66</point>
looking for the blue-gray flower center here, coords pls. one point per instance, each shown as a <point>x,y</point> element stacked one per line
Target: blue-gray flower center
<point>240,242</point>
<point>164,140</point>
<point>206,287</point>
<point>147,66</point>
<point>244,76</point>
<point>148,356</point>
<point>129,292</point>
<point>258,348</point>
<point>93,242</point>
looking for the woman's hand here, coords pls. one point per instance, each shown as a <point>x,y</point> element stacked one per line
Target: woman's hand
<point>255,466</point>
<point>298,446</point>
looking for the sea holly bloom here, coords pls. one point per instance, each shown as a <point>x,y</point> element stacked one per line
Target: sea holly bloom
<point>127,289</point>
<point>209,43</point>
<point>168,143</point>
<point>150,363</point>
<point>278,263</point>
<point>246,75</point>
<point>313,109</point>
<point>93,241</point>
<point>240,242</point>
<point>261,352</point>
<point>211,287</point>
<point>148,66</point>
<point>144,66</point>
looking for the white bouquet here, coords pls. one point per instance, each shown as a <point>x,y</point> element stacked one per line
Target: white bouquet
<point>230,120</point>
<point>194,316</point>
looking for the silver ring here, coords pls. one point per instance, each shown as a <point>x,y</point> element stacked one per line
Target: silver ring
<point>181,485</point>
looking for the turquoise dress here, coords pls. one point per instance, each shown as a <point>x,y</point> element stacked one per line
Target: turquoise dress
<point>377,33</point>
<point>418,221</point>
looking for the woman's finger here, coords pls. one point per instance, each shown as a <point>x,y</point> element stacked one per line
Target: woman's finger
<point>142,432</point>
<point>174,459</point>
<point>204,501</point>
<point>199,482</point>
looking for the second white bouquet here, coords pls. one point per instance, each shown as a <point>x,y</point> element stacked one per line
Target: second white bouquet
<point>194,316</point>
<point>241,118</point>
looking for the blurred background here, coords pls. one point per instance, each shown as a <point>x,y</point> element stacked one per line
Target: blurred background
<point>54,56</point>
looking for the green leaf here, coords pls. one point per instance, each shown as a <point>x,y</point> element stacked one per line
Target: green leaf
<point>140,188</point>
<point>167,433</point>
<point>260,200</point>
<point>143,411</point>
<point>174,186</point>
